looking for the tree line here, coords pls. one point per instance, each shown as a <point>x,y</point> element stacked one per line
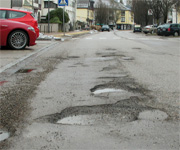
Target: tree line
<point>160,9</point>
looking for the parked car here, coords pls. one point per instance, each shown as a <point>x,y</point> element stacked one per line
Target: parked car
<point>169,29</point>
<point>105,28</point>
<point>159,29</point>
<point>20,16</point>
<point>137,28</point>
<point>150,29</point>
<point>17,35</point>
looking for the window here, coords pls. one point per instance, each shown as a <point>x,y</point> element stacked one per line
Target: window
<point>122,19</point>
<point>174,25</point>
<point>122,13</point>
<point>2,14</point>
<point>51,4</point>
<point>15,14</point>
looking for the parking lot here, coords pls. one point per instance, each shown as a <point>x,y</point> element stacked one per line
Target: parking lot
<point>9,57</point>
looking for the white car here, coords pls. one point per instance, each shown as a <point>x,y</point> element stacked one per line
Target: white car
<point>150,29</point>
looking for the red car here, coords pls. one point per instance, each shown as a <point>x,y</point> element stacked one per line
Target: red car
<point>15,34</point>
<point>20,16</point>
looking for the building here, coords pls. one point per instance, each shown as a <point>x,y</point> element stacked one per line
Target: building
<point>53,4</point>
<point>126,18</point>
<point>85,12</point>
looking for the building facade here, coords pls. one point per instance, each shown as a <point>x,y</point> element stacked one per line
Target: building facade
<point>44,5</point>
<point>85,12</point>
<point>126,18</point>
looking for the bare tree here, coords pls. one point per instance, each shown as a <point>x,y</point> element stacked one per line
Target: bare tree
<point>166,6</point>
<point>140,9</point>
<point>102,13</point>
<point>114,11</point>
<point>157,8</point>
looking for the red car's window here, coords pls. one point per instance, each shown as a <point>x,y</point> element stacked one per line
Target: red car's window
<point>33,15</point>
<point>2,14</point>
<point>15,14</point>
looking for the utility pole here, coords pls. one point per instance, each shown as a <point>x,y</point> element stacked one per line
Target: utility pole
<point>48,18</point>
<point>11,4</point>
<point>33,6</point>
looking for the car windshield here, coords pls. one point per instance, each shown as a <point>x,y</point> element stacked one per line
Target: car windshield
<point>105,26</point>
<point>166,25</point>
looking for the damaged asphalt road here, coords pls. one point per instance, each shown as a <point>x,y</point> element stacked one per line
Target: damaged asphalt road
<point>82,94</point>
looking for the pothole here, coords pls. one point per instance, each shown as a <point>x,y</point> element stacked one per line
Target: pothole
<point>127,58</point>
<point>24,70</point>
<point>126,110</point>
<point>73,57</point>
<point>153,115</point>
<point>111,49</point>
<point>105,58</point>
<point>4,135</point>
<point>113,55</point>
<point>106,90</point>
<point>113,76</point>
<point>136,48</point>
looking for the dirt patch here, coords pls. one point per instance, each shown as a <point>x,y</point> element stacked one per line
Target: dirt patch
<point>14,104</point>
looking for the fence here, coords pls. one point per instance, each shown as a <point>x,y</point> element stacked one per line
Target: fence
<point>54,27</point>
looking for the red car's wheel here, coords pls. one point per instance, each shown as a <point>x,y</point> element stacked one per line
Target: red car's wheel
<point>17,39</point>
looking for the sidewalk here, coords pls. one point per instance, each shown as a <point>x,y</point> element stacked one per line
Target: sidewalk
<point>59,35</point>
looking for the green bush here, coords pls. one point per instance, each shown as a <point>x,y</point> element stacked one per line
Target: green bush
<point>59,14</point>
<point>55,20</point>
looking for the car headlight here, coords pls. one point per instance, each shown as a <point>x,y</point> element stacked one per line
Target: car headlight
<point>31,28</point>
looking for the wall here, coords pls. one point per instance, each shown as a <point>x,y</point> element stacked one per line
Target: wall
<point>81,14</point>
<point>5,3</point>
<point>55,27</point>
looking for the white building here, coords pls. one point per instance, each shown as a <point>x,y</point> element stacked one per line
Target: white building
<point>71,10</point>
<point>44,5</point>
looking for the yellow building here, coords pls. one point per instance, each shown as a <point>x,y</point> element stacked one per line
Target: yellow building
<point>126,19</point>
<point>178,17</point>
<point>85,12</point>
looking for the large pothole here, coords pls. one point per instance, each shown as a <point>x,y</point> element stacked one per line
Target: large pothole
<point>122,111</point>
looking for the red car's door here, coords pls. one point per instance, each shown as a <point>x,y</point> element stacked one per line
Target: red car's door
<point>4,30</point>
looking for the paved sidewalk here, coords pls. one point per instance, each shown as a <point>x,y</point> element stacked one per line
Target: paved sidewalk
<point>72,33</point>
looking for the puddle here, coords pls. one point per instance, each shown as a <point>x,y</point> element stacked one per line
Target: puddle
<point>24,71</point>
<point>4,135</point>
<point>95,119</point>
<point>107,90</point>
<point>153,115</point>
<point>79,120</point>
<point>2,82</point>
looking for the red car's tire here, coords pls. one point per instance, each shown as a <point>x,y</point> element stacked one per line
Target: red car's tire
<point>17,39</point>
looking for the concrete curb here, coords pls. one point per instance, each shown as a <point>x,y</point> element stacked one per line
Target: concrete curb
<point>62,37</point>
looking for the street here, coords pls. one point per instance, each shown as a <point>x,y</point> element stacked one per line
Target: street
<point>105,90</point>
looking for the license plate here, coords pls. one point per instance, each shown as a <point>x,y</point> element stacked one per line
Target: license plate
<point>164,29</point>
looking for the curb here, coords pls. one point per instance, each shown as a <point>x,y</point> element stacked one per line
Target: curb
<point>60,38</point>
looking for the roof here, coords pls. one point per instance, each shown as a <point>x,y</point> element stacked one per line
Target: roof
<point>118,6</point>
<point>82,3</point>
